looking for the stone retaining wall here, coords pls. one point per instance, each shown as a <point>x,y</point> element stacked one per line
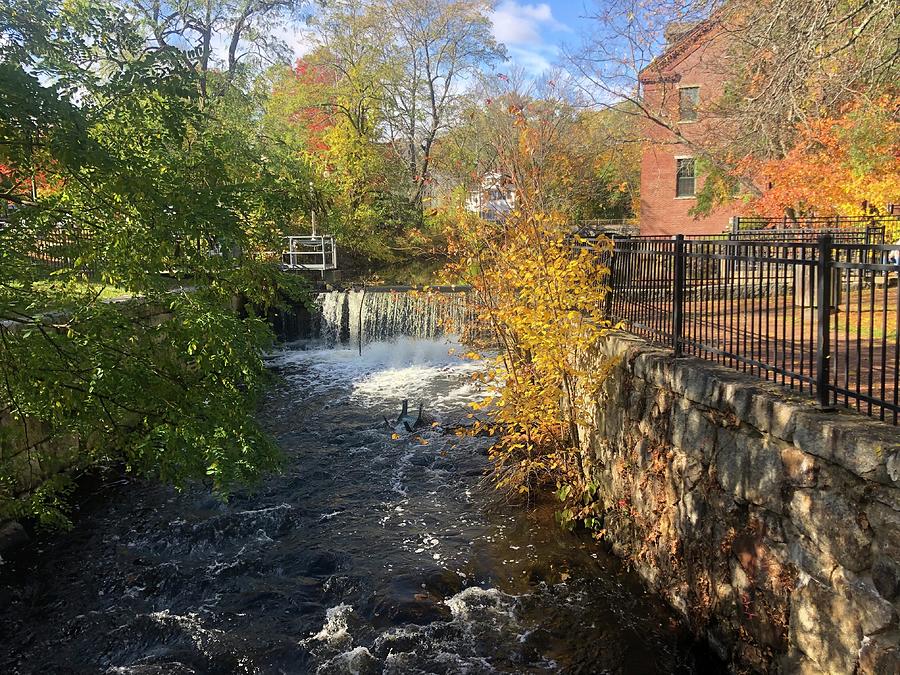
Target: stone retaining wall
<point>773,527</point>
<point>32,453</point>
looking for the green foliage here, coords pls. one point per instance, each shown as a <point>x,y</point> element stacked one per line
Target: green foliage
<point>359,189</point>
<point>367,108</point>
<point>719,186</point>
<point>868,132</point>
<point>147,185</point>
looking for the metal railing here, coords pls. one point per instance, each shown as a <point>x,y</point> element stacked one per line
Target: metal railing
<point>811,223</point>
<point>62,248</point>
<point>590,228</point>
<point>820,317</point>
<point>866,234</point>
<point>309,252</point>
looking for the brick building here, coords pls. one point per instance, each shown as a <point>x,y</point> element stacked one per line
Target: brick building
<point>679,90</point>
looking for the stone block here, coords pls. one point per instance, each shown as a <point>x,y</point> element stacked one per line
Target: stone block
<point>886,577</point>
<point>874,613</point>
<point>766,411</point>
<point>760,411</point>
<point>799,468</point>
<point>807,557</point>
<point>885,523</point>
<point>836,526</point>
<point>692,430</point>
<point>825,627</point>
<point>748,467</point>
<point>784,419</point>
<point>854,442</point>
<point>803,666</point>
<point>693,381</point>
<point>690,512</point>
<point>880,655</point>
<point>892,464</point>
<point>652,367</point>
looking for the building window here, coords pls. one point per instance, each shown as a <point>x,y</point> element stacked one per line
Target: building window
<point>688,102</point>
<point>685,177</point>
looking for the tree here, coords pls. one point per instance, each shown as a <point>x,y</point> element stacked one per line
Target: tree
<point>783,65</point>
<point>542,304</point>
<point>160,195</point>
<point>348,59</point>
<point>197,27</point>
<point>843,165</point>
<point>434,46</point>
<point>793,62</point>
<point>318,114</point>
<point>382,84</point>
<point>584,168</point>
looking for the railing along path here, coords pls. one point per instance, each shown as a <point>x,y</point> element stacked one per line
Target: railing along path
<point>817,316</point>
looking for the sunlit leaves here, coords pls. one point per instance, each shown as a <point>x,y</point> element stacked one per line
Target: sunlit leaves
<point>837,165</point>
<point>541,300</point>
<point>150,192</point>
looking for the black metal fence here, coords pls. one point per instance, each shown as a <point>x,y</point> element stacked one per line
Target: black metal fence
<point>811,223</point>
<point>60,250</point>
<point>858,234</point>
<point>817,316</point>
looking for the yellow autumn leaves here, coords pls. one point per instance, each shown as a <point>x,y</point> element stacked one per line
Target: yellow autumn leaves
<point>540,299</point>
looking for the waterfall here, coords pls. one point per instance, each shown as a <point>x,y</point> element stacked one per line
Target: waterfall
<point>346,317</point>
<point>331,311</point>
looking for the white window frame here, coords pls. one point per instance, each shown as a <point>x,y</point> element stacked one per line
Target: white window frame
<point>694,194</point>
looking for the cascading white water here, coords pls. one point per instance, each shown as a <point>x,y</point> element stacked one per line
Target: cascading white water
<point>331,310</point>
<point>374,316</point>
<point>355,316</point>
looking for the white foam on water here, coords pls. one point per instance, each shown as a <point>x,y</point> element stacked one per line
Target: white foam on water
<point>268,509</point>
<point>397,479</point>
<point>479,601</point>
<point>335,629</point>
<point>355,662</point>
<point>355,316</point>
<point>191,623</point>
<point>331,307</point>
<point>405,368</point>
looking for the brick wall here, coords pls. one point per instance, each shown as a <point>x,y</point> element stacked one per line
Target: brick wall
<point>695,61</point>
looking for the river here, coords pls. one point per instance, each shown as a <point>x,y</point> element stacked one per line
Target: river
<point>375,551</point>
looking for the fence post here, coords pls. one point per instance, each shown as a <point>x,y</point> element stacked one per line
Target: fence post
<point>678,296</point>
<point>823,312</point>
<point>611,276</point>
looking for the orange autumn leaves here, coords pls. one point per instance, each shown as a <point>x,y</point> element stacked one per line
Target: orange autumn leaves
<point>838,166</point>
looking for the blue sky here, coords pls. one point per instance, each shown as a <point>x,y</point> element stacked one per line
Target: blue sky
<point>534,31</point>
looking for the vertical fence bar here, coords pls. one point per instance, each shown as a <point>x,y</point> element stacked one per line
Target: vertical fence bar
<point>678,296</point>
<point>823,341</point>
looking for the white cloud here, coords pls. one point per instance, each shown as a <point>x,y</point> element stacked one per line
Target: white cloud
<point>534,61</point>
<point>521,24</point>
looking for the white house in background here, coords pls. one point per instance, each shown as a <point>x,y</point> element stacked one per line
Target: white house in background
<point>495,198</point>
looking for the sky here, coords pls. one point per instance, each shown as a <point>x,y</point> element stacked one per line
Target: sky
<point>533,32</point>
